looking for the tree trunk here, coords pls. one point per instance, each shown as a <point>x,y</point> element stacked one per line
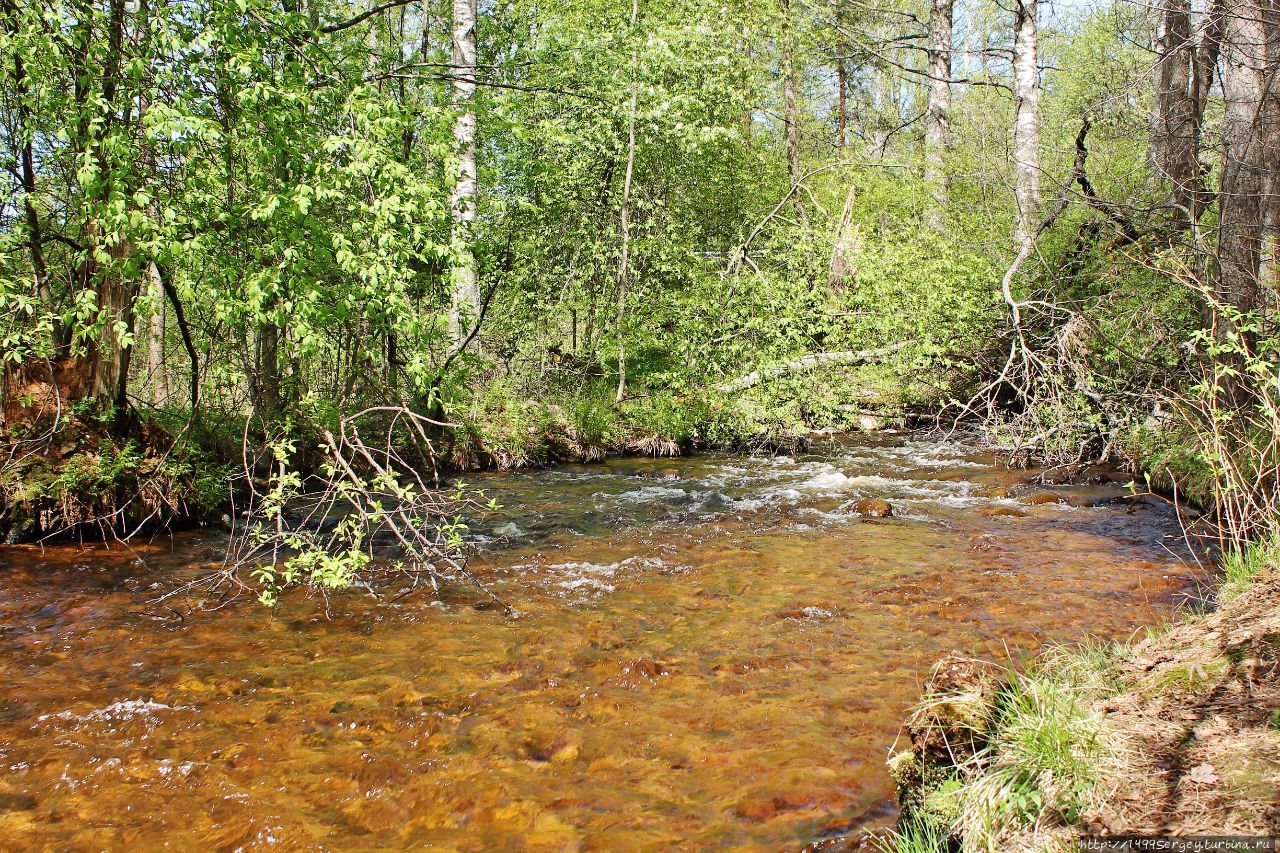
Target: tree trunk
<point>266,360</point>
<point>1175,127</point>
<point>624,215</point>
<point>107,359</point>
<point>1269,147</point>
<point>27,176</point>
<point>1244,81</point>
<point>465,288</point>
<point>790,110</point>
<point>843,268</point>
<point>106,363</point>
<point>807,363</point>
<point>842,102</point>
<point>937,117</point>
<point>1026,125</point>
<point>155,349</point>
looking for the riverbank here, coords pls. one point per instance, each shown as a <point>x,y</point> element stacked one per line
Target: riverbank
<point>80,480</point>
<point>77,476</point>
<point>1176,733</point>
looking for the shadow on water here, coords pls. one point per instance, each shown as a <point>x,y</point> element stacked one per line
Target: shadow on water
<point>711,651</point>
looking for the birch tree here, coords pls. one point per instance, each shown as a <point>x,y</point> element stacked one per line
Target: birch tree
<point>464,283</point>
<point>624,214</point>
<point>1026,122</point>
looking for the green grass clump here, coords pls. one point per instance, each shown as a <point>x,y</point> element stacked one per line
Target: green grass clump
<point>1242,566</point>
<point>594,420</point>
<point>1091,667</point>
<point>914,836</point>
<point>1046,749</point>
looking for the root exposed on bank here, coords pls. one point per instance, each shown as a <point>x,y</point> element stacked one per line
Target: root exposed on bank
<point>73,477</point>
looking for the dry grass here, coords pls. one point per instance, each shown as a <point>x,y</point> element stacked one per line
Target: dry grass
<point>653,445</point>
<point>1198,713</point>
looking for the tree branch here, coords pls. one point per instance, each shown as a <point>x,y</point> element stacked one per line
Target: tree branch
<point>364,16</point>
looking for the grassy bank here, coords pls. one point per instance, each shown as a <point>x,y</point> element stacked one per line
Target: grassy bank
<point>1175,732</point>
<point>76,476</point>
<point>510,424</point>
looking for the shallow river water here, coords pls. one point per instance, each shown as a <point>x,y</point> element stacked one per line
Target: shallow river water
<point>710,652</point>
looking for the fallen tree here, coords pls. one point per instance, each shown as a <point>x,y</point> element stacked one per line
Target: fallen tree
<point>809,362</point>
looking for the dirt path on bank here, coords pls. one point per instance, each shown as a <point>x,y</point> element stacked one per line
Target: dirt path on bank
<point>1200,721</point>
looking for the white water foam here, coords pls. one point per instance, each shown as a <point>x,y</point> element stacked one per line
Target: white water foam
<point>126,709</point>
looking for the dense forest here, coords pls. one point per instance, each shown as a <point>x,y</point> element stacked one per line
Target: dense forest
<point>291,267</point>
<point>497,237</point>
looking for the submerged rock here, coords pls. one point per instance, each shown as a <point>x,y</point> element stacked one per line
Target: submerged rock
<point>1002,511</point>
<point>993,492</point>
<point>873,508</point>
<point>10,802</point>
<point>1044,497</point>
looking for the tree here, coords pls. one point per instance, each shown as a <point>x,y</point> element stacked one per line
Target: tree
<point>1026,122</point>
<point>790,104</point>
<point>1249,60</point>
<point>465,287</point>
<point>624,213</point>
<point>937,117</point>
<point>1182,77</point>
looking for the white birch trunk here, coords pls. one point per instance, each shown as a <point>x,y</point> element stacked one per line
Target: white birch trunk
<point>624,215</point>
<point>464,287</point>
<point>1026,123</point>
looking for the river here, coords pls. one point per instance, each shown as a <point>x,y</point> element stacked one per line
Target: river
<point>714,651</point>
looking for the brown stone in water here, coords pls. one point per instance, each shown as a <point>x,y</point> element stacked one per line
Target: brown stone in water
<point>998,511</point>
<point>873,508</point>
<point>548,745</point>
<point>1044,497</point>
<point>649,669</point>
<point>16,802</point>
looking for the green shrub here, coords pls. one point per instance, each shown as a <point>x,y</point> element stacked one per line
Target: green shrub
<point>594,420</point>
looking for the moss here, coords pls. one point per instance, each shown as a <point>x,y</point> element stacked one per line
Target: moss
<point>1169,454</point>
<point>901,765</point>
<point>1189,678</point>
<point>942,803</point>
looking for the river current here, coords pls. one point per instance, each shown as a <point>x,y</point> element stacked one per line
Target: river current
<point>714,651</point>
